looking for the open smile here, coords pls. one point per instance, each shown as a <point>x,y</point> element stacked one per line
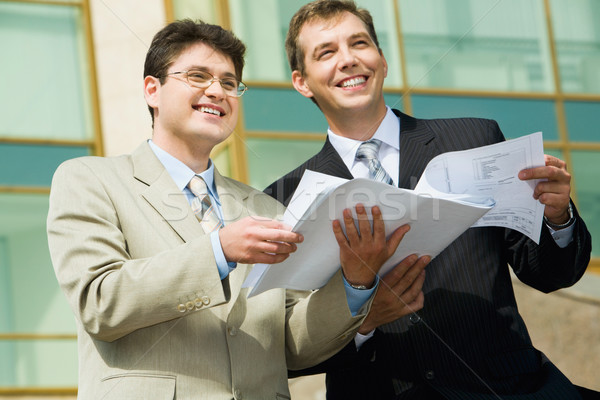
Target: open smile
<point>209,110</point>
<point>353,82</point>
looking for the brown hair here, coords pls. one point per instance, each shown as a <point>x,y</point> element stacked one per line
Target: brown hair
<point>177,36</point>
<point>325,10</point>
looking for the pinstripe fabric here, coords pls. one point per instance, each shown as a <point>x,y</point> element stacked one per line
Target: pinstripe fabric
<point>368,151</point>
<point>202,206</point>
<point>470,341</point>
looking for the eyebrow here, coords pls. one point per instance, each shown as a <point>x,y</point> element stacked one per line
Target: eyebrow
<point>205,69</point>
<point>324,45</point>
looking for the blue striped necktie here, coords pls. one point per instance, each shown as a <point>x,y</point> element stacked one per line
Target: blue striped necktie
<point>368,151</point>
<point>202,206</point>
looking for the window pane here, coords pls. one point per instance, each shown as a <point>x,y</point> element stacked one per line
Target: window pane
<point>33,165</point>
<point>266,59</point>
<point>268,160</point>
<point>583,119</point>
<point>38,363</point>
<point>515,117</point>
<point>196,9</point>
<point>31,300</point>
<point>477,44</point>
<point>588,191</point>
<point>577,36</point>
<point>281,110</point>
<point>44,88</point>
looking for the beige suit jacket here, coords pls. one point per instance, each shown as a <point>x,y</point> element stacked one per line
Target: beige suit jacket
<point>155,321</point>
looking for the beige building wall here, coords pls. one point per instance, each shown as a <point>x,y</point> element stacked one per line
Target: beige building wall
<point>122,32</point>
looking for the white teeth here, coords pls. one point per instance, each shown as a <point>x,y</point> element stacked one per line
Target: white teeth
<point>354,82</point>
<point>210,111</point>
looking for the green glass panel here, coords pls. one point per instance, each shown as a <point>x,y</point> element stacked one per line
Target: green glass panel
<point>585,174</point>
<point>38,363</point>
<point>281,110</point>
<point>516,117</point>
<point>477,44</point>
<point>285,110</point>
<point>33,165</point>
<point>196,9</point>
<point>583,119</point>
<point>268,159</point>
<point>577,35</point>
<point>31,297</point>
<point>266,59</point>
<point>45,90</point>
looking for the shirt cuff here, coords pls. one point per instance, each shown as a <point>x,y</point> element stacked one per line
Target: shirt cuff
<point>358,297</point>
<point>360,339</point>
<point>223,266</point>
<point>564,236</point>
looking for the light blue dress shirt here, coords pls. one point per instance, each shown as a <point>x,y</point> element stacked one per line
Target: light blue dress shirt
<point>182,175</point>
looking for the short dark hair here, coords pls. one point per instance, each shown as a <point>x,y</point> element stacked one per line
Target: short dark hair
<point>177,36</point>
<point>324,10</point>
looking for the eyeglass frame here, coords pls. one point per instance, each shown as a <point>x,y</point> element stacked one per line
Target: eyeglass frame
<point>211,81</point>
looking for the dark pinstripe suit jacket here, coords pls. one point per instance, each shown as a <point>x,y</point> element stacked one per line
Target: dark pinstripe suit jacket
<point>469,341</point>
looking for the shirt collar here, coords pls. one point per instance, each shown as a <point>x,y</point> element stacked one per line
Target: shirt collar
<point>181,173</point>
<point>387,132</point>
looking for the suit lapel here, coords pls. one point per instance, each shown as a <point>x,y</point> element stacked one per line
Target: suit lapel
<point>329,162</point>
<point>163,195</point>
<point>418,145</point>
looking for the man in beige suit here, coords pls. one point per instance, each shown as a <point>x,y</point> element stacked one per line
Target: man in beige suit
<point>157,294</point>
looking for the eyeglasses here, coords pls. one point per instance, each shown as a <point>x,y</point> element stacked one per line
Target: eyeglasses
<point>202,79</point>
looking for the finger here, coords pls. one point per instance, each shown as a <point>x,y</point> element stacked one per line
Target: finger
<point>351,232</point>
<point>396,237</point>
<point>339,233</point>
<point>264,258</point>
<point>363,222</point>
<point>275,247</point>
<point>378,224</point>
<point>396,273</point>
<point>278,235</point>
<point>271,223</point>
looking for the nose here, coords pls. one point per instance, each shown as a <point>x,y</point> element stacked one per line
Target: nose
<point>215,90</point>
<point>347,58</point>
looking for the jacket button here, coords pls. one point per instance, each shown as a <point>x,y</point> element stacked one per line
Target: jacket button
<point>238,394</point>
<point>189,305</point>
<point>198,303</point>
<point>205,300</point>
<point>429,375</point>
<point>414,318</point>
<point>233,331</point>
<point>181,307</point>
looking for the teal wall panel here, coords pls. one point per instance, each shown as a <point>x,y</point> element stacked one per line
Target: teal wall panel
<point>281,110</point>
<point>33,165</point>
<point>583,120</point>
<point>517,117</point>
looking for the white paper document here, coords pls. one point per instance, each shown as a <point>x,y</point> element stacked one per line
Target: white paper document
<point>476,187</point>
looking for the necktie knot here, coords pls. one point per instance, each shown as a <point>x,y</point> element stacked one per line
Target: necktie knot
<point>368,151</point>
<point>202,206</point>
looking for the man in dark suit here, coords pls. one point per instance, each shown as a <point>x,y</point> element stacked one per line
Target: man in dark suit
<point>469,341</point>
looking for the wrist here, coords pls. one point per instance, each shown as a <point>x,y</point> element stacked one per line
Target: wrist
<point>564,225</point>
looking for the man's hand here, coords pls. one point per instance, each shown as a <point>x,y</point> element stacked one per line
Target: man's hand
<point>554,190</point>
<point>254,240</point>
<point>399,293</point>
<point>364,250</point>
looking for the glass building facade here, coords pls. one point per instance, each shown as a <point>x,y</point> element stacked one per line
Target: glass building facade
<point>532,65</point>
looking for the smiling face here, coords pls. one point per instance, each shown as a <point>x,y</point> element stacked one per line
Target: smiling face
<point>189,121</point>
<point>344,70</point>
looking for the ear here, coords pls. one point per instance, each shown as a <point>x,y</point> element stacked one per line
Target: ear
<point>300,84</point>
<point>151,91</point>
<point>385,66</point>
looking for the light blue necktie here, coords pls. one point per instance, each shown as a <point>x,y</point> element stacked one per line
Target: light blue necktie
<point>368,151</point>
